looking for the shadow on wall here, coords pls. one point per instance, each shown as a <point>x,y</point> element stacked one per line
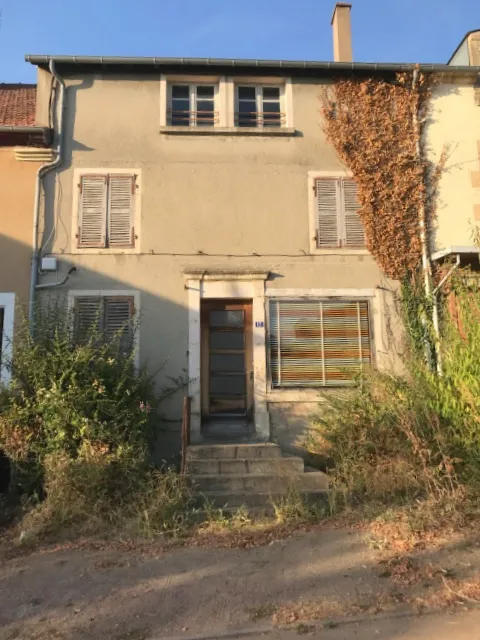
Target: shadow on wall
<point>163,329</point>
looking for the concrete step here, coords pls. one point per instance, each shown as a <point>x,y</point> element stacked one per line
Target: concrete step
<point>261,483</point>
<point>261,502</point>
<point>241,466</point>
<point>229,451</point>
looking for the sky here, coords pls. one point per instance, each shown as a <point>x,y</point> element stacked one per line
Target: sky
<point>383,30</point>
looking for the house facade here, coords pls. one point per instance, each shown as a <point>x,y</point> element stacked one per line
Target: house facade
<point>23,149</point>
<point>201,198</point>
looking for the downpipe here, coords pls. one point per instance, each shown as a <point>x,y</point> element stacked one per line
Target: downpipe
<point>41,172</point>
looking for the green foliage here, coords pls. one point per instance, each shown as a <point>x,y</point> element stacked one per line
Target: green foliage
<point>66,398</point>
<point>418,435</point>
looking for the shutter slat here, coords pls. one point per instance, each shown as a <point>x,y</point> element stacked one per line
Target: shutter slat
<point>120,211</point>
<point>92,211</point>
<point>354,232</point>
<point>118,320</point>
<point>88,317</point>
<point>327,212</point>
<point>308,350</point>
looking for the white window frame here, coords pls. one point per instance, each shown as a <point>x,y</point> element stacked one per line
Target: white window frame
<point>112,293</point>
<point>313,176</point>
<point>7,304</point>
<point>77,176</point>
<point>220,106</point>
<point>258,86</point>
<point>192,87</point>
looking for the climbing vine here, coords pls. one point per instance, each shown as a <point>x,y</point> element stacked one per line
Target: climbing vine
<point>377,127</point>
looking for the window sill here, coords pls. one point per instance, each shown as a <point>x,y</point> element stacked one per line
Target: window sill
<point>89,251</point>
<point>281,132</point>
<point>339,251</point>
<point>307,395</point>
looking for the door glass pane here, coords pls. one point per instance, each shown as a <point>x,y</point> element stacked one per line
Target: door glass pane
<point>227,385</point>
<point>227,362</point>
<point>226,318</point>
<point>226,340</point>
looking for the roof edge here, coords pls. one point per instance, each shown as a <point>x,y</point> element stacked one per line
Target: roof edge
<point>297,65</point>
<point>467,35</point>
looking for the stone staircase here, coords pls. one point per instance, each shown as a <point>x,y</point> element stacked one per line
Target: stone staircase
<point>229,476</point>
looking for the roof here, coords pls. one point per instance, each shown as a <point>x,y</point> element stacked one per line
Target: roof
<point>466,36</point>
<point>17,104</point>
<point>92,64</point>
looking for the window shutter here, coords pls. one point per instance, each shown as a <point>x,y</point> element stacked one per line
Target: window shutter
<point>120,211</point>
<point>318,344</point>
<point>327,198</point>
<point>92,211</point>
<point>88,317</point>
<point>118,321</point>
<point>354,232</point>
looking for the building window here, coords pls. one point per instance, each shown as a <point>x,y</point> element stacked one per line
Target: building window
<point>105,318</point>
<point>192,105</point>
<point>318,343</point>
<point>106,211</point>
<point>259,106</point>
<point>2,314</point>
<point>337,221</point>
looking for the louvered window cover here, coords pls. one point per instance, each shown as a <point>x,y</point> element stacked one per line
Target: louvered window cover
<point>318,343</point>
<point>106,211</point>
<point>338,222</point>
<point>105,318</point>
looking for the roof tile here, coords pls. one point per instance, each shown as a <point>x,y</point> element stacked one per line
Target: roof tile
<point>17,104</point>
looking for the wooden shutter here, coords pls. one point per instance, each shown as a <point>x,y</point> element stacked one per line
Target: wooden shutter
<point>327,199</point>
<point>88,317</point>
<point>315,343</point>
<point>121,211</point>
<point>92,218</point>
<point>354,233</point>
<point>118,317</point>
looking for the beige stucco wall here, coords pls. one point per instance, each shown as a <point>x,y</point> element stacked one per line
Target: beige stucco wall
<point>455,126</point>
<point>17,186</point>
<point>207,202</point>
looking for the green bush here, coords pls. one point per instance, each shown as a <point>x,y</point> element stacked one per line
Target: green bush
<point>69,396</point>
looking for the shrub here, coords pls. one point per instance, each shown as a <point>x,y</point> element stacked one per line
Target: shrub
<point>68,396</point>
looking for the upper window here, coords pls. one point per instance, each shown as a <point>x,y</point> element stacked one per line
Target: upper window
<point>259,106</point>
<point>192,105</point>
<point>337,221</point>
<point>106,211</point>
<point>317,343</point>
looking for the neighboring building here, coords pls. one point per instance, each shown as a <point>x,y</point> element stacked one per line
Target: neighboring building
<point>455,128</point>
<point>22,151</point>
<point>202,197</point>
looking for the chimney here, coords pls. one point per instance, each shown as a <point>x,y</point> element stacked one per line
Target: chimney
<point>342,33</point>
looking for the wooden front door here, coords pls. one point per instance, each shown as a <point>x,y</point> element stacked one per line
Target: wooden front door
<point>226,354</point>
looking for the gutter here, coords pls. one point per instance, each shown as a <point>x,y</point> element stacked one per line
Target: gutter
<point>24,129</point>
<point>42,171</point>
<point>110,61</point>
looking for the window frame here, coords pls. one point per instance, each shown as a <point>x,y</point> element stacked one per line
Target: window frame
<point>366,296</point>
<point>78,174</point>
<point>259,87</point>
<point>73,294</point>
<point>193,88</point>
<point>313,176</point>
<point>7,304</point>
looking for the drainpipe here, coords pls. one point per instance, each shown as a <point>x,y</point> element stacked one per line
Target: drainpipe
<point>42,171</point>
<point>436,315</point>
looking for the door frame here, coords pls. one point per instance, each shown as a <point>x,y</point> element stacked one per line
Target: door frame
<point>234,285</point>
<point>206,305</point>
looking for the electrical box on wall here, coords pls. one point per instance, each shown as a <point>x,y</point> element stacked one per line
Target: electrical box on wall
<point>49,264</point>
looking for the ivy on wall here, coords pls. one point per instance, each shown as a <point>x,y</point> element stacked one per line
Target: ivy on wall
<point>377,128</point>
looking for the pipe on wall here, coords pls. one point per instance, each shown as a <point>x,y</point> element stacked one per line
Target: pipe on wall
<point>42,171</point>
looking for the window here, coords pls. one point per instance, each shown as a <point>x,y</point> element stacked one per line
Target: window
<point>110,317</point>
<point>192,105</point>
<point>2,313</point>
<point>259,106</point>
<point>337,221</point>
<point>7,311</point>
<point>106,211</point>
<point>318,343</point>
